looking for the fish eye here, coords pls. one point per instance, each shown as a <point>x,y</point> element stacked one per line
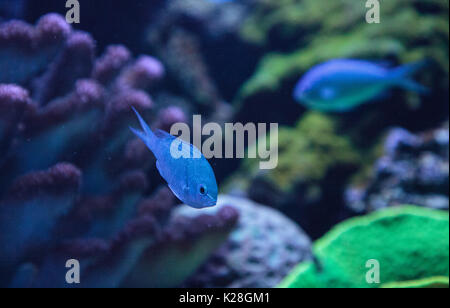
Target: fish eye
<point>202,190</point>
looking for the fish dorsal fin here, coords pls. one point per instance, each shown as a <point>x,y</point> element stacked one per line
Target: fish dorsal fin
<point>185,149</point>
<point>163,134</point>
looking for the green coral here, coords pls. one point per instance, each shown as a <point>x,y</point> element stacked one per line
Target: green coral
<point>410,243</point>
<point>307,152</point>
<point>404,32</point>
<point>427,283</point>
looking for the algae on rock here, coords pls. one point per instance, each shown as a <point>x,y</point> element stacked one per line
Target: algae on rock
<point>314,163</point>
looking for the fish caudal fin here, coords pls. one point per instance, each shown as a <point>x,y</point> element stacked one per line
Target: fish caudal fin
<point>414,86</point>
<point>146,135</point>
<point>402,77</point>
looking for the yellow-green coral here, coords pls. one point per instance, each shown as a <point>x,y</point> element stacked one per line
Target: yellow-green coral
<point>308,151</point>
<point>344,33</point>
<point>410,243</point>
<point>427,283</point>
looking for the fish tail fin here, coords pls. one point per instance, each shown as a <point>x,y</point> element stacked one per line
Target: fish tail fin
<point>414,86</point>
<point>402,76</point>
<point>146,135</point>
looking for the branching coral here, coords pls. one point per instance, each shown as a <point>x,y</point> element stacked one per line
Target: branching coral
<point>72,176</point>
<point>156,249</point>
<point>31,210</point>
<point>13,101</point>
<point>409,243</point>
<point>191,239</point>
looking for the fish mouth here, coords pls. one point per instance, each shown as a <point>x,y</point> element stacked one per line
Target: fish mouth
<point>211,200</point>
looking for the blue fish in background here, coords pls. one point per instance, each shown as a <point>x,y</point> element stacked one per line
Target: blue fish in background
<point>190,177</point>
<point>341,85</point>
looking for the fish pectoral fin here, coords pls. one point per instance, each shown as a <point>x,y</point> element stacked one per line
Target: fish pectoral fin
<point>328,93</point>
<point>158,166</point>
<point>175,193</point>
<point>161,170</point>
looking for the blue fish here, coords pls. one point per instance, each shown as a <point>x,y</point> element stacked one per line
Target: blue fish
<point>341,85</point>
<point>187,172</point>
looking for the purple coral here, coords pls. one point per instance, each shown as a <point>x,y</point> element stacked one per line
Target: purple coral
<point>30,211</point>
<point>27,50</point>
<point>143,249</point>
<point>13,101</point>
<point>60,104</point>
<point>169,116</point>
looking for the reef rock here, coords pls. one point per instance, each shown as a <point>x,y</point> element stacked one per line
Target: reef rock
<point>413,170</point>
<point>260,251</point>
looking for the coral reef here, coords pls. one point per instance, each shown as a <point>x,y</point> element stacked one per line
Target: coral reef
<point>183,248</point>
<point>414,170</point>
<point>410,243</point>
<point>156,249</point>
<point>296,35</point>
<point>72,177</point>
<point>76,184</point>
<point>259,252</point>
<point>313,163</point>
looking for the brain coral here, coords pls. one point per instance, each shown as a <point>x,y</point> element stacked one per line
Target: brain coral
<point>260,251</point>
<point>410,243</point>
